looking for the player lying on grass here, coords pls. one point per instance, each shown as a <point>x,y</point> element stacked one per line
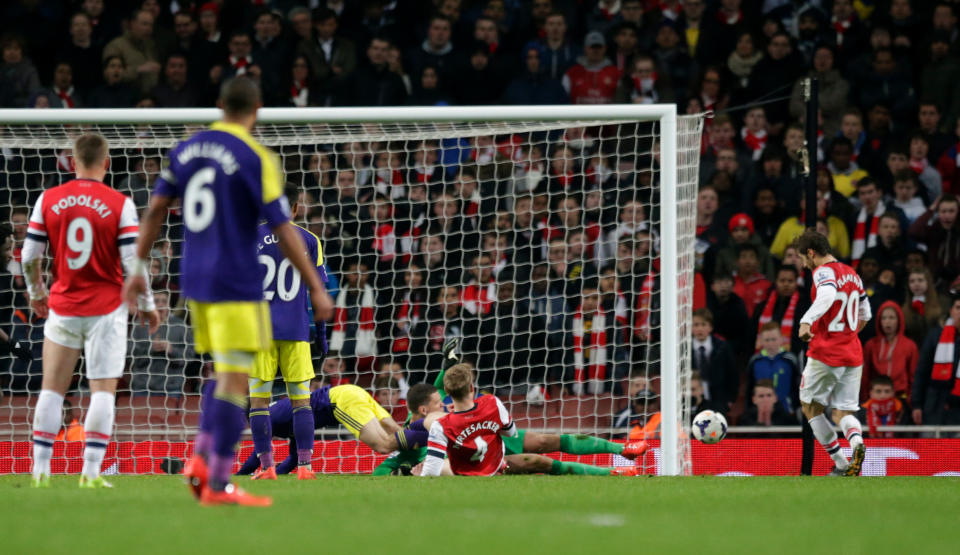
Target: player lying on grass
<point>424,400</point>
<point>348,405</point>
<point>472,435</point>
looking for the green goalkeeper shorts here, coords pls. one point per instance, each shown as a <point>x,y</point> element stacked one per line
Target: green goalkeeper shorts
<point>514,445</point>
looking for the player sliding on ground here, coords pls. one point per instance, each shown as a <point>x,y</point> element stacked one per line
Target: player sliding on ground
<point>348,405</point>
<point>423,402</point>
<point>831,377</point>
<point>91,229</point>
<point>290,348</point>
<point>472,435</point>
<point>228,183</point>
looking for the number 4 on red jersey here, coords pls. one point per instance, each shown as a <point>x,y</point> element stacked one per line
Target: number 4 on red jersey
<point>86,223</point>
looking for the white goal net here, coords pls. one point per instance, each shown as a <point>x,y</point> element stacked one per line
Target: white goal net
<point>556,241</point>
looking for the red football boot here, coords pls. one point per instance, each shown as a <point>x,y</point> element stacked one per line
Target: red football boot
<point>634,449</point>
<point>625,471</point>
<point>195,475</point>
<point>306,473</point>
<point>268,474</point>
<point>233,495</point>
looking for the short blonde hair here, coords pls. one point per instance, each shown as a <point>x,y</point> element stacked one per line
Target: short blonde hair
<point>457,381</point>
<point>90,150</point>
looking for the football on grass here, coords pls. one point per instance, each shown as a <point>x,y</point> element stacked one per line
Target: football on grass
<point>709,427</point>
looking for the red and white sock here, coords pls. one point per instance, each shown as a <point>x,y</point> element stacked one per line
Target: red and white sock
<point>851,429</point>
<point>824,433</point>
<point>47,418</point>
<point>97,426</point>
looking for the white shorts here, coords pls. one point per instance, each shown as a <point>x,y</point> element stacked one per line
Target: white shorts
<point>102,338</point>
<point>830,386</point>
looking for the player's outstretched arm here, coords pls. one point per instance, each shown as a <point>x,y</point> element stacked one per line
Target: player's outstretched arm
<point>294,249</point>
<point>136,283</point>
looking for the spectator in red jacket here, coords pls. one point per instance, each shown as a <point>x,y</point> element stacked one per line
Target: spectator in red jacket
<point>749,284</point>
<point>593,80</point>
<point>890,353</point>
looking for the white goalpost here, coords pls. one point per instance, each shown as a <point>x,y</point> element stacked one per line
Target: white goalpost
<point>449,217</point>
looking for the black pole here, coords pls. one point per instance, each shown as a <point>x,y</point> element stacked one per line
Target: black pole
<point>811,93</point>
<point>811,157</point>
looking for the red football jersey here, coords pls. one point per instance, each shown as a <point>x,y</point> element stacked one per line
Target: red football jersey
<point>471,439</point>
<point>835,341</point>
<point>85,223</point>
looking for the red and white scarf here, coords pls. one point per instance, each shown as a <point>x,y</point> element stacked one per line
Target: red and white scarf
<point>755,141</point>
<point>918,165</point>
<point>943,369</point>
<point>390,183</point>
<point>366,339</point>
<point>919,304</point>
<point>407,317</point>
<point>299,94</point>
<point>620,309</point>
<point>385,242</point>
<point>862,238</point>
<point>66,97</point>
<point>410,240</point>
<point>644,303</point>
<point>729,19</point>
<point>882,413</point>
<point>240,64</point>
<point>477,299</point>
<point>423,174</point>
<point>841,28</point>
<point>596,369</point>
<point>786,323</point>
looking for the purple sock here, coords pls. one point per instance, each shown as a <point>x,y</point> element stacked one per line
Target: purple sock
<point>203,443</point>
<point>303,433</point>
<point>262,432</point>
<point>229,420</point>
<point>411,439</point>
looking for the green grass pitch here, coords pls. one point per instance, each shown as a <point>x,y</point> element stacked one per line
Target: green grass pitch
<point>509,514</point>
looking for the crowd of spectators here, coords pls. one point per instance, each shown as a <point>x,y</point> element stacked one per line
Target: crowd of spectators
<point>541,249</point>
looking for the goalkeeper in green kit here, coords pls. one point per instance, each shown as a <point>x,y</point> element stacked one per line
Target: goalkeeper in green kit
<point>425,405</point>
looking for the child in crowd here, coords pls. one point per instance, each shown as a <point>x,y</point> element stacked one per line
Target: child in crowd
<point>883,408</point>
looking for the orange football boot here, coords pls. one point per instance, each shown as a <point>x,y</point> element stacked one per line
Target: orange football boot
<point>268,474</point>
<point>625,471</point>
<point>634,449</point>
<point>195,475</point>
<point>232,495</point>
<point>304,472</point>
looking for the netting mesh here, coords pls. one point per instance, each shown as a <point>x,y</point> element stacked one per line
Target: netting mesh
<point>537,242</point>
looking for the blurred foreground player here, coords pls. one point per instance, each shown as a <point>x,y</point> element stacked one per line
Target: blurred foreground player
<point>227,182</point>
<point>91,230</point>
<point>472,435</point>
<point>289,302</point>
<point>839,310</point>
